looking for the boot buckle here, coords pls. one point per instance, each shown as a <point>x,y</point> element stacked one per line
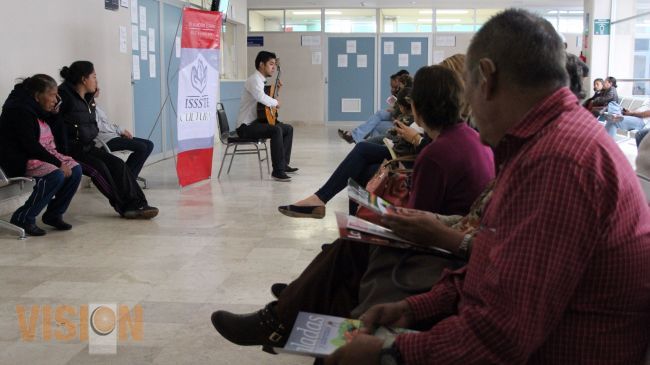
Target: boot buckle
<point>275,337</point>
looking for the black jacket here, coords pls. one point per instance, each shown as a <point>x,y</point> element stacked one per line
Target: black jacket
<point>605,97</point>
<point>20,133</point>
<point>78,116</point>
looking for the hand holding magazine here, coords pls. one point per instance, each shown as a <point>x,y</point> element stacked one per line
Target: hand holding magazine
<point>318,335</point>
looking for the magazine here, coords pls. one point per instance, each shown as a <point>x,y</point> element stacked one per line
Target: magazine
<point>363,197</point>
<point>318,335</point>
<point>359,230</point>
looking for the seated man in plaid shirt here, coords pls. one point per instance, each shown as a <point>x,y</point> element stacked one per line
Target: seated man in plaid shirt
<point>560,271</point>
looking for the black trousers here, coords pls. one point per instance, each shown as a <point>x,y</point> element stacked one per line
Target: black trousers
<point>141,149</point>
<point>329,285</point>
<point>281,136</point>
<point>111,176</point>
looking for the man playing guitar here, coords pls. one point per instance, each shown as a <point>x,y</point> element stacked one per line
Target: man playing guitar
<point>250,126</point>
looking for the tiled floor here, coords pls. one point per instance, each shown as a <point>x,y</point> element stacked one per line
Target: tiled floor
<point>218,244</point>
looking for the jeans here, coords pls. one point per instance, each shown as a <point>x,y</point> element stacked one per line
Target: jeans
<point>640,134</point>
<point>281,136</point>
<point>360,165</point>
<point>378,124</point>
<point>53,190</point>
<point>141,149</point>
<point>628,123</point>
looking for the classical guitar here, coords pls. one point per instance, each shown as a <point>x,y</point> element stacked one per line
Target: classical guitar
<point>267,113</point>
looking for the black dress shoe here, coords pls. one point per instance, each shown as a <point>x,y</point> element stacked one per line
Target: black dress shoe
<point>346,136</point>
<point>277,288</point>
<point>144,212</point>
<point>290,169</point>
<point>57,222</point>
<point>280,176</point>
<point>261,328</point>
<point>309,211</point>
<point>31,229</point>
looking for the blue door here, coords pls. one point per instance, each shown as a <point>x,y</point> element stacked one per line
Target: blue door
<point>146,90</point>
<point>407,47</point>
<point>351,78</point>
<point>169,74</point>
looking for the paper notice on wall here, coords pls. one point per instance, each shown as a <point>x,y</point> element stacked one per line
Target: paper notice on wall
<point>416,48</point>
<point>177,47</point>
<point>362,61</point>
<point>389,47</point>
<point>135,38</point>
<point>143,18</point>
<point>152,65</point>
<point>438,56</point>
<point>403,60</point>
<point>143,47</point>
<point>134,11</point>
<point>136,67</point>
<point>124,3</point>
<point>351,46</point>
<point>310,41</point>
<point>122,39</point>
<point>316,58</point>
<point>446,41</point>
<point>152,40</point>
<point>343,60</point>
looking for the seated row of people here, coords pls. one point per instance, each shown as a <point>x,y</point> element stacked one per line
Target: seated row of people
<point>557,248</point>
<point>49,131</point>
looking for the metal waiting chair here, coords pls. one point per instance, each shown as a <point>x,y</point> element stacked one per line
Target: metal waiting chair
<point>7,181</point>
<point>231,140</point>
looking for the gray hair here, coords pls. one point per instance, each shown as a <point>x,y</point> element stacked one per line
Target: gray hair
<point>525,48</point>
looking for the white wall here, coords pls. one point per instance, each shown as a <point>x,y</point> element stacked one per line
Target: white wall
<point>302,94</point>
<point>42,36</point>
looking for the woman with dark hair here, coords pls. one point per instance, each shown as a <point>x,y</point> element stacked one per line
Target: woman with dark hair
<point>28,148</point>
<point>449,174</point>
<point>609,94</point>
<point>109,173</point>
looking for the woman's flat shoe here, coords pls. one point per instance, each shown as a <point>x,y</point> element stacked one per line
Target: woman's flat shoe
<point>296,211</point>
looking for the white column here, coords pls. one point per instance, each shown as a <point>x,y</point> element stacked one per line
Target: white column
<point>597,46</point>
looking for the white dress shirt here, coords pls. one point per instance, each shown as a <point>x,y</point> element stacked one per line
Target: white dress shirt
<point>253,94</point>
<point>107,130</point>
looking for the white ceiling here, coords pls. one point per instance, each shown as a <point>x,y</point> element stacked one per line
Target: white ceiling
<point>415,3</point>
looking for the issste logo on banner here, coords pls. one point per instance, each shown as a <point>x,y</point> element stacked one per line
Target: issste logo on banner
<point>197,107</point>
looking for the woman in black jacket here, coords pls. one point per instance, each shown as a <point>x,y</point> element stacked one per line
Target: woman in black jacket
<point>109,173</point>
<point>28,148</point>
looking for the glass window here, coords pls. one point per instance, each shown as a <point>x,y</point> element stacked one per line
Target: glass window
<point>629,59</point>
<point>265,20</point>
<point>455,20</point>
<point>406,20</point>
<point>570,21</point>
<point>350,20</point>
<point>483,15</point>
<point>298,20</point>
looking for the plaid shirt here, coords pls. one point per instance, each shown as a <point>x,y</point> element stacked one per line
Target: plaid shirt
<point>560,270</point>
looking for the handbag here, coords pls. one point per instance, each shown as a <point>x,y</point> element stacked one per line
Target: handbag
<point>390,182</point>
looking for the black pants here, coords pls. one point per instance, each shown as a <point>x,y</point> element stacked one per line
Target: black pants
<point>329,285</point>
<point>112,177</point>
<point>141,149</point>
<point>281,136</point>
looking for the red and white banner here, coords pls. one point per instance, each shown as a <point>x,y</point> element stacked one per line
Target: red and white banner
<point>198,94</point>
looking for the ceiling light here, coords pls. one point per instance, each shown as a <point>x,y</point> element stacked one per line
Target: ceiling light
<point>451,11</point>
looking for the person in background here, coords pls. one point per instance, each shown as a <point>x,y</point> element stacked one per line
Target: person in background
<point>598,91</point>
<point>28,148</point>
<point>630,120</point>
<point>380,122</point>
<point>119,139</point>
<point>108,172</point>
<point>609,94</point>
<point>249,126</point>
